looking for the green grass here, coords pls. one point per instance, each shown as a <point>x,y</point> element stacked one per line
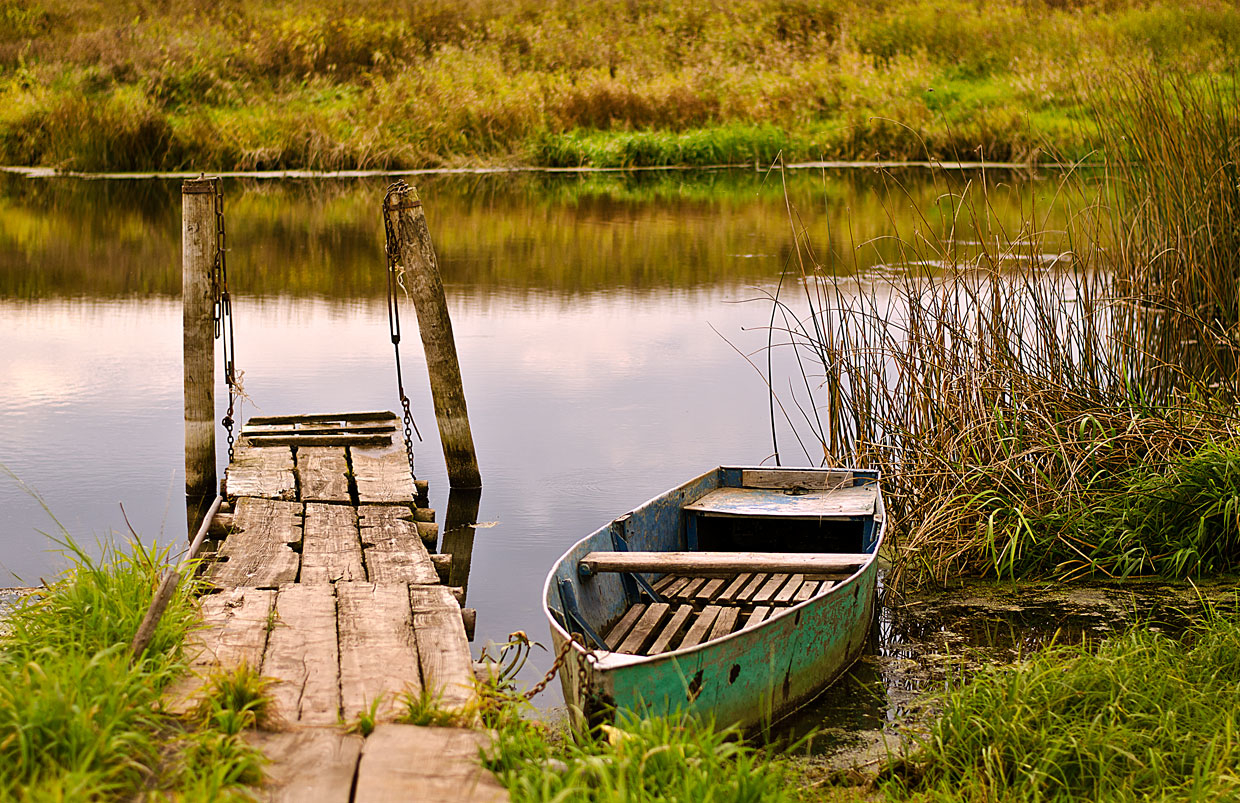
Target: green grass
<point>191,84</point>
<point>1140,717</point>
<point>78,721</point>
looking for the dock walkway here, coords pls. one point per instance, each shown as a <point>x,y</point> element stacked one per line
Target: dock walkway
<point>324,582</point>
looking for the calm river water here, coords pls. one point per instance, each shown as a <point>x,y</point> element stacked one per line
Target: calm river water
<point>601,321</point>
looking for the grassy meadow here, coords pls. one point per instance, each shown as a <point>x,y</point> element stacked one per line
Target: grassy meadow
<point>92,85</point>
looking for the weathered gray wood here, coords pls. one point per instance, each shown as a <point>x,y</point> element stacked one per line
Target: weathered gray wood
<point>267,420</point>
<point>722,564</point>
<point>760,503</point>
<point>382,474</point>
<point>757,617</point>
<point>643,632</point>
<point>428,765</point>
<point>233,632</point>
<point>393,550</point>
<point>671,631</point>
<point>725,623</point>
<point>676,586</point>
<point>700,627</point>
<point>792,478</point>
<point>336,429</point>
<point>708,590</point>
<point>421,275</point>
<point>169,579</point>
<point>769,588</point>
<point>332,547</point>
<point>755,582</point>
<point>297,439</point>
<point>734,588</point>
<point>690,588</point>
<point>261,472</point>
<point>302,656</point>
<point>315,764</point>
<point>322,473</point>
<point>259,554</point>
<point>199,245</point>
<point>378,650</point>
<point>443,649</point>
<point>615,636</point>
<point>791,587</point>
<point>807,590</point>
<point>663,582</point>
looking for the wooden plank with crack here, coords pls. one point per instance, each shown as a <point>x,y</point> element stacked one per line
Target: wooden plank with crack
<point>308,764</point>
<point>332,547</point>
<point>443,650</point>
<point>382,474</point>
<point>302,656</point>
<point>378,649</point>
<point>393,550</point>
<point>322,474</point>
<point>429,765</point>
<point>258,554</point>
<point>261,471</point>
<point>233,633</point>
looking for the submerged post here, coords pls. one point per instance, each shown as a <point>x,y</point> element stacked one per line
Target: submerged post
<point>199,242</point>
<point>407,223</point>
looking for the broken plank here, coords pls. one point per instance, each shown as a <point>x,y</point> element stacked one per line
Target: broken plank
<point>769,588</point>
<point>382,474</point>
<point>258,554</point>
<point>392,548</point>
<point>261,472</point>
<point>643,632</point>
<point>791,587</point>
<point>671,631</point>
<point>378,650</point>
<point>443,650</point>
<point>331,549</point>
<point>309,764</point>
<point>725,623</point>
<point>323,474</point>
<point>429,765</point>
<point>758,616</point>
<point>616,635</point>
<point>302,657</point>
<point>700,627</point>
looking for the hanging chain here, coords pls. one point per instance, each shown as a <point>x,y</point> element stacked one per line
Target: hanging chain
<point>222,310</point>
<point>395,276</point>
<point>583,675</point>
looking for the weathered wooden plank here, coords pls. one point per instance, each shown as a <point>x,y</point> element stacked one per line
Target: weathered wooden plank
<point>807,590</point>
<point>302,441</point>
<point>859,500</point>
<point>722,564</point>
<point>791,587</point>
<point>643,632</point>
<point>663,582</point>
<point>676,586</point>
<point>751,588</point>
<point>690,588</point>
<point>708,590</point>
<point>700,627</point>
<point>382,474</point>
<point>443,650</point>
<point>393,549</point>
<point>725,623</point>
<point>615,636</point>
<point>332,548</point>
<point>322,474</point>
<point>786,479</point>
<point>378,650</point>
<point>769,588</point>
<point>734,588</point>
<point>671,631</point>
<point>258,553</point>
<point>308,764</point>
<point>758,616</point>
<point>429,765</point>
<point>261,420</point>
<point>329,429</point>
<point>261,472</point>
<point>302,656</point>
<point>233,632</point>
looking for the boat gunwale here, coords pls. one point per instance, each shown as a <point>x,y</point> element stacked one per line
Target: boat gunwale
<point>607,660</point>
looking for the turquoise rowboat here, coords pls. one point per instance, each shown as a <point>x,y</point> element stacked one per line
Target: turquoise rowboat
<point>737,596</point>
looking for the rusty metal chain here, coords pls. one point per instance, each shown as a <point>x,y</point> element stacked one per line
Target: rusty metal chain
<point>222,312</point>
<point>395,283</point>
<point>583,677</point>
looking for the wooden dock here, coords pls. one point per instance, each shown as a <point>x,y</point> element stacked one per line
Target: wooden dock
<point>324,580</point>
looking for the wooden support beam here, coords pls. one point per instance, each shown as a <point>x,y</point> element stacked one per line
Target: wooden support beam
<point>404,213</point>
<point>199,244</point>
<point>721,564</point>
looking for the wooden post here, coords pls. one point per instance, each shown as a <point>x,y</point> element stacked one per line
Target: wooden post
<point>198,246</point>
<point>425,286</point>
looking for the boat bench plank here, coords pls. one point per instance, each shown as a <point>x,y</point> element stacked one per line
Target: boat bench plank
<point>722,564</point>
<point>764,503</point>
<point>671,631</point>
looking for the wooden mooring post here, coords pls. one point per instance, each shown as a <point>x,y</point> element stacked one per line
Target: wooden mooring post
<point>199,243</point>
<point>407,222</point>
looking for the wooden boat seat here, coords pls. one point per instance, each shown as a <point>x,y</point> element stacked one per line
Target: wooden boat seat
<point>856,501</point>
<point>699,609</point>
<point>721,564</point>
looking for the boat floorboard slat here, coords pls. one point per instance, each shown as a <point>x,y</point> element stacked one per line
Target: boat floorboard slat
<point>674,588</point>
<point>691,587</point>
<point>806,591</point>
<point>644,630</point>
<point>672,630</point>
<point>789,588</point>
<point>616,635</point>
<point>725,623</point>
<point>663,582</point>
<point>701,626</point>
<point>748,591</point>
<point>769,588</point>
<point>734,588</point>
<point>757,617</point>
<point>709,589</point>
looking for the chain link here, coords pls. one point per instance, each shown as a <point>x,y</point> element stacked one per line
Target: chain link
<point>395,274</point>
<point>583,675</point>
<point>222,309</point>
